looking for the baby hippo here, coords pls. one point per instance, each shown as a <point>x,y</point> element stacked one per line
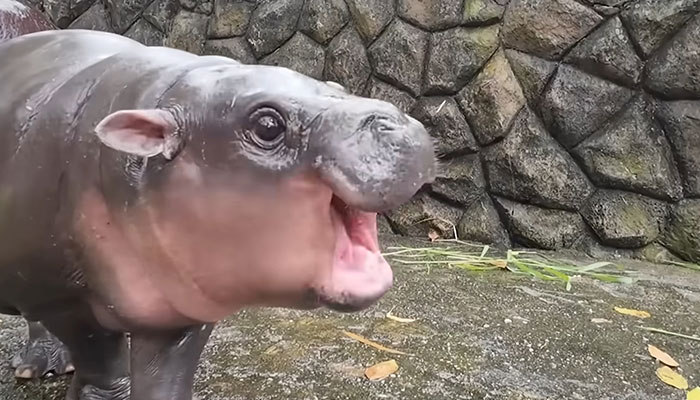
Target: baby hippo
<point>150,191</point>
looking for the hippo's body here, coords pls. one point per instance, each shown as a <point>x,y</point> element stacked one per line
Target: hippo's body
<point>17,19</point>
<point>152,191</point>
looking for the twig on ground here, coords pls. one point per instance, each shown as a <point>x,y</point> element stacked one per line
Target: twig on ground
<point>665,332</point>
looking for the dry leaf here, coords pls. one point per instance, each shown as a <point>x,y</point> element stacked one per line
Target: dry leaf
<point>399,319</point>
<point>371,343</point>
<point>672,378</point>
<point>600,321</point>
<point>634,313</point>
<point>433,236</point>
<point>499,263</point>
<point>662,356</point>
<point>381,370</point>
<point>694,394</point>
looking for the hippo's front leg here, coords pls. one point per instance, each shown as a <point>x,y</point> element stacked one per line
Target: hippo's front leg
<point>42,353</point>
<point>100,356</point>
<point>163,364</point>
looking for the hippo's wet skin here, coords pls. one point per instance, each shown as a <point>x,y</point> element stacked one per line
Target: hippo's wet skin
<point>155,192</point>
<point>43,351</point>
<point>18,19</point>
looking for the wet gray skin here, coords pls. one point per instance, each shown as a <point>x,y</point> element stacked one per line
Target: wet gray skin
<point>18,19</point>
<point>155,192</point>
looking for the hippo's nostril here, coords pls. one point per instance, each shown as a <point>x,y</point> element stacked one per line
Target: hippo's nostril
<point>378,123</point>
<point>384,127</point>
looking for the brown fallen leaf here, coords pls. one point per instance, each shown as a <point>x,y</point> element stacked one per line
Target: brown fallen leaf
<point>399,319</point>
<point>662,356</point>
<point>672,378</point>
<point>694,394</point>
<point>499,263</point>
<point>381,370</point>
<point>634,313</point>
<point>371,343</point>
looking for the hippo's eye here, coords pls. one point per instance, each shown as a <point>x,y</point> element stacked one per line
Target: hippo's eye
<point>267,124</point>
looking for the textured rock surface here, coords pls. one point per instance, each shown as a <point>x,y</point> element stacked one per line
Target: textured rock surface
<point>144,32</point>
<point>455,56</point>
<point>608,52</point>
<point>425,214</point>
<point>675,70</point>
<point>531,167</point>
<point>398,55</point>
<point>198,6</point>
<point>681,121</point>
<point>445,122</point>
<point>161,13</point>
<point>540,227</point>
<point>62,13</point>
<point>477,12</point>
<point>532,72</point>
<point>347,62</point>
<point>230,18</point>
<point>546,28</point>
<point>371,16</point>
<point>273,22</point>
<point>301,54</point>
<point>95,18</point>
<point>188,32</point>
<point>576,104</point>
<point>683,233</point>
<point>534,105</point>
<point>650,22</point>
<point>631,153</point>
<point>461,180</point>
<point>323,19</point>
<point>491,100</point>
<point>481,223</point>
<point>378,89</point>
<point>623,219</point>
<point>431,15</point>
<point>236,48</point>
<point>124,13</point>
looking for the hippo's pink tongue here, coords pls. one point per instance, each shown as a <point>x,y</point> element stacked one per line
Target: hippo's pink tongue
<point>359,275</point>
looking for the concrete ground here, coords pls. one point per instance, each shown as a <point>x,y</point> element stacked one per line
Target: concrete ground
<point>493,335</point>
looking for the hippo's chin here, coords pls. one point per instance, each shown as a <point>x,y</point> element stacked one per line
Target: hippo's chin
<point>359,275</point>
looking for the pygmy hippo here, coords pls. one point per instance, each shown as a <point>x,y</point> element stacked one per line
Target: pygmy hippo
<point>154,192</point>
<point>18,19</point>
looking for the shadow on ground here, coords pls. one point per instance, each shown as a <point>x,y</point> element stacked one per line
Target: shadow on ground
<point>492,335</point>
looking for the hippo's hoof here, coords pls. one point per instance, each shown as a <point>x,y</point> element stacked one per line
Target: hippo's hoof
<point>119,390</point>
<point>41,355</point>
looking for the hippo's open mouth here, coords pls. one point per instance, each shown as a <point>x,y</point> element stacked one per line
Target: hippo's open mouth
<point>359,275</point>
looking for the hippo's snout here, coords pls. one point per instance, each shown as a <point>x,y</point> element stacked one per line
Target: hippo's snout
<point>374,156</point>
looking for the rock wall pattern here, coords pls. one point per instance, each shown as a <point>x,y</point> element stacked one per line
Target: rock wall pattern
<point>559,123</point>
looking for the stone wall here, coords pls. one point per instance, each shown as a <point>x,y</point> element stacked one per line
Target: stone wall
<point>559,123</point>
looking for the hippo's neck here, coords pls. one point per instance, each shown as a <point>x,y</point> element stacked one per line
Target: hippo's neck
<point>125,292</point>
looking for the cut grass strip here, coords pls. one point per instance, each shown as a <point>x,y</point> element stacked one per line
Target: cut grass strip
<point>688,265</point>
<point>519,262</point>
<point>665,332</point>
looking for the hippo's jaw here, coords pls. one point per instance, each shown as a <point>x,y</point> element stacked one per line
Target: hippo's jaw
<point>359,274</point>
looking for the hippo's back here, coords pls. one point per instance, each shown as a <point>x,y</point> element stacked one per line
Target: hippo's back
<point>56,87</point>
<point>17,19</point>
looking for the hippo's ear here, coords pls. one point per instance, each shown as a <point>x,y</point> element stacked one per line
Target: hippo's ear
<point>140,132</point>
